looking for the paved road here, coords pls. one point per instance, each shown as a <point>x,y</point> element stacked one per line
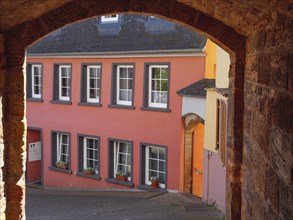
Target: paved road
<point>83,205</point>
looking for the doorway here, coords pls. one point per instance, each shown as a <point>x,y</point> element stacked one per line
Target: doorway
<point>197,163</point>
<point>34,156</point>
<point>193,155</point>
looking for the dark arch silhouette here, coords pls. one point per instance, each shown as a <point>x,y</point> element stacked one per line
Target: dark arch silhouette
<point>24,34</point>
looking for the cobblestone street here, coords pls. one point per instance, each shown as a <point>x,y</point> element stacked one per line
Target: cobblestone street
<point>73,204</point>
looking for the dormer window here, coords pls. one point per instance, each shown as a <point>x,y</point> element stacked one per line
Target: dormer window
<point>110,18</point>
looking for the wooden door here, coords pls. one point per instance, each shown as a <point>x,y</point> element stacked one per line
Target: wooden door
<point>197,165</point>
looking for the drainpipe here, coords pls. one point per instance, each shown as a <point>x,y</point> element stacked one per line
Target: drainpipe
<point>208,175</point>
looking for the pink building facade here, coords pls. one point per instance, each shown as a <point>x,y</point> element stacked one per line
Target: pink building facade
<point>136,136</point>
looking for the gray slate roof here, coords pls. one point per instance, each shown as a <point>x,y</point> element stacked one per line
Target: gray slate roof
<point>131,33</point>
<point>197,88</point>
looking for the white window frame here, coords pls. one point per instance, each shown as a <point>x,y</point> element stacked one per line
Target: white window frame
<point>156,104</point>
<point>97,99</point>
<point>118,101</point>
<point>39,67</point>
<point>147,165</point>
<point>85,156</point>
<point>109,18</point>
<point>116,145</point>
<point>60,137</point>
<point>67,97</point>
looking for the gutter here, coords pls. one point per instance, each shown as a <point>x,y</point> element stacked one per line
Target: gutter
<point>191,95</point>
<point>124,54</point>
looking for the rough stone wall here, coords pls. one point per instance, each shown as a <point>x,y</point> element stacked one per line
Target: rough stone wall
<point>2,197</point>
<point>2,80</point>
<point>268,120</point>
<point>14,127</point>
<point>24,34</point>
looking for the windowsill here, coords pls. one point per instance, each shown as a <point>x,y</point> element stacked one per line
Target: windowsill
<point>60,170</point>
<point>90,104</point>
<point>120,182</point>
<point>149,188</point>
<point>34,100</point>
<point>155,109</point>
<point>61,102</point>
<point>82,174</point>
<point>122,106</point>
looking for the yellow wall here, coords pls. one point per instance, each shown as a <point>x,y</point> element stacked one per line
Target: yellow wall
<point>217,64</point>
<point>214,55</point>
<point>210,65</point>
<point>222,69</point>
<point>210,128</point>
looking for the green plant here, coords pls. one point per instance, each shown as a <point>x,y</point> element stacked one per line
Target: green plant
<point>89,169</point>
<point>154,178</point>
<point>60,162</point>
<point>120,173</point>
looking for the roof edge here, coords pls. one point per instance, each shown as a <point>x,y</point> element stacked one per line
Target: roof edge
<point>149,53</point>
<point>191,95</point>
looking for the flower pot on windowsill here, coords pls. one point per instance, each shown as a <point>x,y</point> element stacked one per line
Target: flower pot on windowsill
<point>62,165</point>
<point>120,175</point>
<point>121,178</point>
<point>155,184</point>
<point>89,171</point>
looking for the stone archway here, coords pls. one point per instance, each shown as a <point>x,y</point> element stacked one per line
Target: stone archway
<point>260,188</point>
<point>21,36</point>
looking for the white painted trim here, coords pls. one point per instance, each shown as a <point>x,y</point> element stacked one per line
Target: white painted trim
<point>58,146</point>
<point>59,143</point>
<point>34,95</point>
<point>64,98</point>
<point>118,101</point>
<point>85,147</point>
<point>92,100</point>
<point>84,152</point>
<point>147,165</point>
<point>116,158</point>
<point>150,103</point>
